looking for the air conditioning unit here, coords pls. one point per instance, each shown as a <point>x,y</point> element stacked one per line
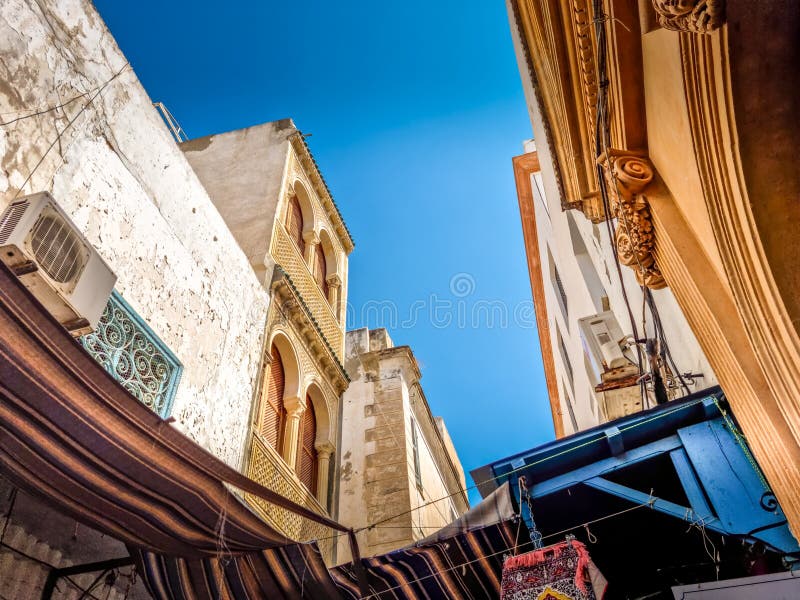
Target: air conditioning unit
<point>55,262</point>
<point>603,339</point>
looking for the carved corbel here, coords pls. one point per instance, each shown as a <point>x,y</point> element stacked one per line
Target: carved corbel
<point>628,175</point>
<point>697,16</point>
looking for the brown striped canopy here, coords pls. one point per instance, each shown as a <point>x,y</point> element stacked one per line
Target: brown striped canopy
<point>289,572</point>
<point>467,566</point>
<point>70,434</point>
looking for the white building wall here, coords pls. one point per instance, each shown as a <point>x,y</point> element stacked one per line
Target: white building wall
<point>581,253</point>
<point>584,285</point>
<point>427,518</point>
<point>115,169</point>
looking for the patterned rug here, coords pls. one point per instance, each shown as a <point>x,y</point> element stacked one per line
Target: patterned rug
<point>560,572</point>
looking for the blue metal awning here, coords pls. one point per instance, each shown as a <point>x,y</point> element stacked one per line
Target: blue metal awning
<point>686,460</point>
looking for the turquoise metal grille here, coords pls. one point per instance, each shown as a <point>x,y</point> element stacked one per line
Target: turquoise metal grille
<point>134,355</point>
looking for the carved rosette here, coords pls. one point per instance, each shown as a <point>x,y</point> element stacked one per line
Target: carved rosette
<point>697,16</point>
<point>628,176</point>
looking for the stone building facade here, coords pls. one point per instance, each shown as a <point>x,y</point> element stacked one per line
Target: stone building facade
<point>677,120</point>
<point>268,188</point>
<point>110,163</point>
<point>398,464</point>
<point>226,282</point>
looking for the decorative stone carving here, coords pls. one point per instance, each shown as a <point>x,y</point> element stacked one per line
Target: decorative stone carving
<point>698,16</point>
<point>628,175</point>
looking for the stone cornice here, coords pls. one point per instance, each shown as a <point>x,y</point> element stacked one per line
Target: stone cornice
<point>294,307</point>
<point>560,47</point>
<point>550,31</point>
<point>321,187</point>
<point>525,166</point>
<point>372,362</point>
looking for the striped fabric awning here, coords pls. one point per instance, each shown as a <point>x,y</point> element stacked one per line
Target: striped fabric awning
<point>295,571</point>
<point>467,566</point>
<point>70,434</point>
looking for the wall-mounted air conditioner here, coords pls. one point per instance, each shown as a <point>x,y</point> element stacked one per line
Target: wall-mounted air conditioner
<point>55,262</point>
<point>603,340</point>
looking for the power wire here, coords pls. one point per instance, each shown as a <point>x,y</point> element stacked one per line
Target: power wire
<point>513,549</point>
<point>46,110</point>
<point>67,126</point>
<point>602,132</point>
<point>526,466</point>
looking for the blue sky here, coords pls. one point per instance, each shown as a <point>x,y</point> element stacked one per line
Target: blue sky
<point>415,110</point>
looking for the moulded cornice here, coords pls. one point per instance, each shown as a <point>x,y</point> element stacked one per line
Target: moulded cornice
<point>293,306</point>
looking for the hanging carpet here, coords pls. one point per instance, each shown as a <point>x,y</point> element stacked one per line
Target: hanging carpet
<point>560,572</point>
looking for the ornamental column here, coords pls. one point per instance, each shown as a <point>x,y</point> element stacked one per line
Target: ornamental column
<point>311,238</point>
<point>324,452</point>
<point>294,411</point>
<point>334,292</point>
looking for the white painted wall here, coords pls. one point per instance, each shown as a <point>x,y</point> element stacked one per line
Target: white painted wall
<point>127,186</point>
<point>581,252</point>
<point>585,278</point>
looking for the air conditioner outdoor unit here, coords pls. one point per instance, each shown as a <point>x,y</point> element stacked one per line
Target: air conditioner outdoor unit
<point>55,262</point>
<point>603,339</point>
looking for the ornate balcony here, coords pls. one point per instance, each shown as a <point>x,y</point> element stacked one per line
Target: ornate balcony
<point>288,257</point>
<point>134,355</point>
<point>269,469</point>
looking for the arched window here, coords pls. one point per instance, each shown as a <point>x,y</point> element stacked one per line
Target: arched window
<point>321,271</point>
<point>306,452</point>
<point>294,223</point>
<point>273,413</point>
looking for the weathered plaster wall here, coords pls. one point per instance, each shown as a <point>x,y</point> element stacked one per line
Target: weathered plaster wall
<point>378,480</point>
<point>243,172</point>
<point>125,183</point>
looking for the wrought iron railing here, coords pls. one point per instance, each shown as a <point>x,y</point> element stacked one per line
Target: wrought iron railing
<point>134,355</point>
<point>286,254</point>
<point>269,469</point>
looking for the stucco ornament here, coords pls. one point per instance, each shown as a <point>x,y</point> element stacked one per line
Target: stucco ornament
<point>698,16</point>
<point>628,176</point>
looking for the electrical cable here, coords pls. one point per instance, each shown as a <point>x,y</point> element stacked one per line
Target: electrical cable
<point>67,126</point>
<point>46,110</point>
<point>513,549</point>
<point>526,466</point>
<point>602,133</point>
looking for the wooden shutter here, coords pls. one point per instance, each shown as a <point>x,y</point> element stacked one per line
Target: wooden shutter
<point>321,271</point>
<point>306,452</point>
<point>273,413</point>
<point>294,223</point>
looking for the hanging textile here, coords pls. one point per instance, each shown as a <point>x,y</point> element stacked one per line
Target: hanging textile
<point>560,572</point>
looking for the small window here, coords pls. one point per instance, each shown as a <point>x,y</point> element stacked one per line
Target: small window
<point>306,450</point>
<point>565,360</point>
<point>134,355</point>
<point>272,421</point>
<point>321,272</point>
<point>294,224</point>
<point>415,449</point>
<point>568,401</point>
<point>561,292</point>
